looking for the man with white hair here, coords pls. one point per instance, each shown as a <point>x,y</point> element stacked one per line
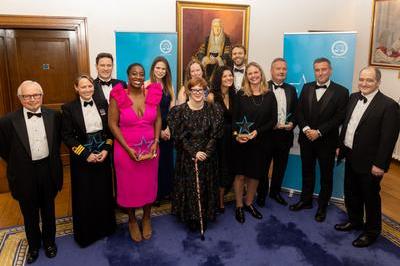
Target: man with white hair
<point>30,144</point>
<point>216,49</point>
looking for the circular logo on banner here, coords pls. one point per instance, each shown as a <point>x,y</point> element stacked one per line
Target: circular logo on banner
<point>339,48</point>
<point>165,46</point>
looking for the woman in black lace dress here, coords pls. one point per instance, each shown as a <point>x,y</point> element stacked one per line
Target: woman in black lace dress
<point>195,126</point>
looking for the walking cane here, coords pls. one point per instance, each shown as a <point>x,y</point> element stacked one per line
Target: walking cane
<point>199,200</point>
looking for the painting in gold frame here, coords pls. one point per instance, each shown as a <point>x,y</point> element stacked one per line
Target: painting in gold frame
<point>385,34</point>
<point>194,26</point>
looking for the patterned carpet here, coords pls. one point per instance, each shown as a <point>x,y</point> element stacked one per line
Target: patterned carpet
<point>13,245</point>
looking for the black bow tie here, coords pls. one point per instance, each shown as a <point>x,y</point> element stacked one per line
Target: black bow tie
<point>238,70</point>
<point>362,98</point>
<point>105,83</point>
<point>87,103</point>
<point>320,87</point>
<point>276,86</point>
<point>30,114</point>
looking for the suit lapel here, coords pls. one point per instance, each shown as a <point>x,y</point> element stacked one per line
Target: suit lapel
<point>77,112</point>
<point>98,90</point>
<point>48,126</point>
<point>326,98</point>
<point>288,100</point>
<point>22,131</point>
<point>370,108</point>
<point>311,95</point>
<point>102,110</point>
<point>352,105</point>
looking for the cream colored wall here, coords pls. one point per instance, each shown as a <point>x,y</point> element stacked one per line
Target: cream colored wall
<point>269,20</point>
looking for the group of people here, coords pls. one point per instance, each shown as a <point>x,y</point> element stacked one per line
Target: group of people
<point>226,133</point>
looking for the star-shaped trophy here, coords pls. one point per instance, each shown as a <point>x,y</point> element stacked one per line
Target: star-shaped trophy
<point>244,126</point>
<point>142,147</point>
<point>94,143</point>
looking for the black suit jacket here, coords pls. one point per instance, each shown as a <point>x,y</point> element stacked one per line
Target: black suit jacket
<point>74,129</point>
<point>15,150</point>
<point>98,95</point>
<point>283,137</point>
<point>375,135</point>
<point>331,113</point>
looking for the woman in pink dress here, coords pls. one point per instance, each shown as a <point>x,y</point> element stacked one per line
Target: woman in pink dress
<point>135,121</point>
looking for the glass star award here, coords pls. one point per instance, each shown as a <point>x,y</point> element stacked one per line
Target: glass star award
<point>244,126</point>
<point>142,147</point>
<point>94,142</point>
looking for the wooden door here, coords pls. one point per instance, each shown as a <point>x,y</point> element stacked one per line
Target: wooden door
<point>46,56</point>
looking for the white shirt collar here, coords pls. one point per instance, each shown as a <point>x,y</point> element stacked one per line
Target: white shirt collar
<point>371,95</point>
<point>326,83</point>
<point>239,67</point>
<point>39,110</point>
<point>83,101</point>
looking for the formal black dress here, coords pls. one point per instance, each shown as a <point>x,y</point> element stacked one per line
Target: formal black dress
<point>194,131</point>
<point>251,157</point>
<point>91,183</point>
<point>225,144</point>
<point>166,162</point>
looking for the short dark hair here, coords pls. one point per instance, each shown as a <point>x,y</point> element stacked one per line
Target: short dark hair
<point>378,74</point>
<point>103,55</point>
<point>278,59</point>
<point>238,45</point>
<point>322,60</point>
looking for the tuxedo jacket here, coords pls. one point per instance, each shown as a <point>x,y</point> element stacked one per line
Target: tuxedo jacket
<point>74,129</point>
<point>98,95</point>
<point>375,135</point>
<point>15,150</point>
<point>328,117</point>
<point>281,137</point>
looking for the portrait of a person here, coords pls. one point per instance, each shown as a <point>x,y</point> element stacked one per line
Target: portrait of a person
<point>216,49</point>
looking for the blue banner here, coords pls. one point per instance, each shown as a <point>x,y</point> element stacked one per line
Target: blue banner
<point>300,50</point>
<point>143,47</point>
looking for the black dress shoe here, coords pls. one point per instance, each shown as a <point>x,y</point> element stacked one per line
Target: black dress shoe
<point>347,226</point>
<point>300,206</point>
<point>239,215</point>
<point>50,251</point>
<point>253,211</point>
<point>33,254</point>
<point>320,216</point>
<point>260,201</point>
<point>364,240</point>
<point>278,198</point>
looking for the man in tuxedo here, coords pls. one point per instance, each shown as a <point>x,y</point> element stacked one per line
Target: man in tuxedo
<point>282,134</point>
<point>320,112</point>
<point>103,84</point>
<point>368,137</point>
<point>238,54</point>
<point>30,144</point>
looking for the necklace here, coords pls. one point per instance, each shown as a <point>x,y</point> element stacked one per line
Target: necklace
<point>255,102</point>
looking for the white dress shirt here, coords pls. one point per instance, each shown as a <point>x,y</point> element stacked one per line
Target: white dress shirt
<point>355,118</point>
<point>106,90</point>
<point>91,117</point>
<point>238,77</point>
<point>281,101</point>
<point>36,135</point>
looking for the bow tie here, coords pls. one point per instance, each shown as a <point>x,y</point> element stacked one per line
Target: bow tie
<point>320,87</point>
<point>276,86</point>
<point>238,70</point>
<point>362,98</point>
<point>87,103</point>
<point>105,83</point>
<point>30,114</point>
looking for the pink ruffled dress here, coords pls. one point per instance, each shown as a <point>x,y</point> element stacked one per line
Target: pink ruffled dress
<point>136,181</point>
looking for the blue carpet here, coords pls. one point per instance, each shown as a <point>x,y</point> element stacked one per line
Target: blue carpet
<point>282,237</point>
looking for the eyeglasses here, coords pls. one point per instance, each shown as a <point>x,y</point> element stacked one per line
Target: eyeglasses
<point>32,96</point>
<point>198,91</point>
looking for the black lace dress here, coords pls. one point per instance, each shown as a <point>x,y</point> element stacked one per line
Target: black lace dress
<point>194,131</point>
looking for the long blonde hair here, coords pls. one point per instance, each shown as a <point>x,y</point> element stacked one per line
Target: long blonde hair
<point>246,84</point>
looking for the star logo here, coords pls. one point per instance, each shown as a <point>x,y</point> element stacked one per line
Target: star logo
<point>244,126</point>
<point>143,146</point>
<point>94,143</point>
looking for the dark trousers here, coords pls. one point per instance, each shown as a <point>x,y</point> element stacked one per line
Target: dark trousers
<point>40,204</point>
<point>280,157</point>
<point>311,153</point>
<point>361,190</point>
